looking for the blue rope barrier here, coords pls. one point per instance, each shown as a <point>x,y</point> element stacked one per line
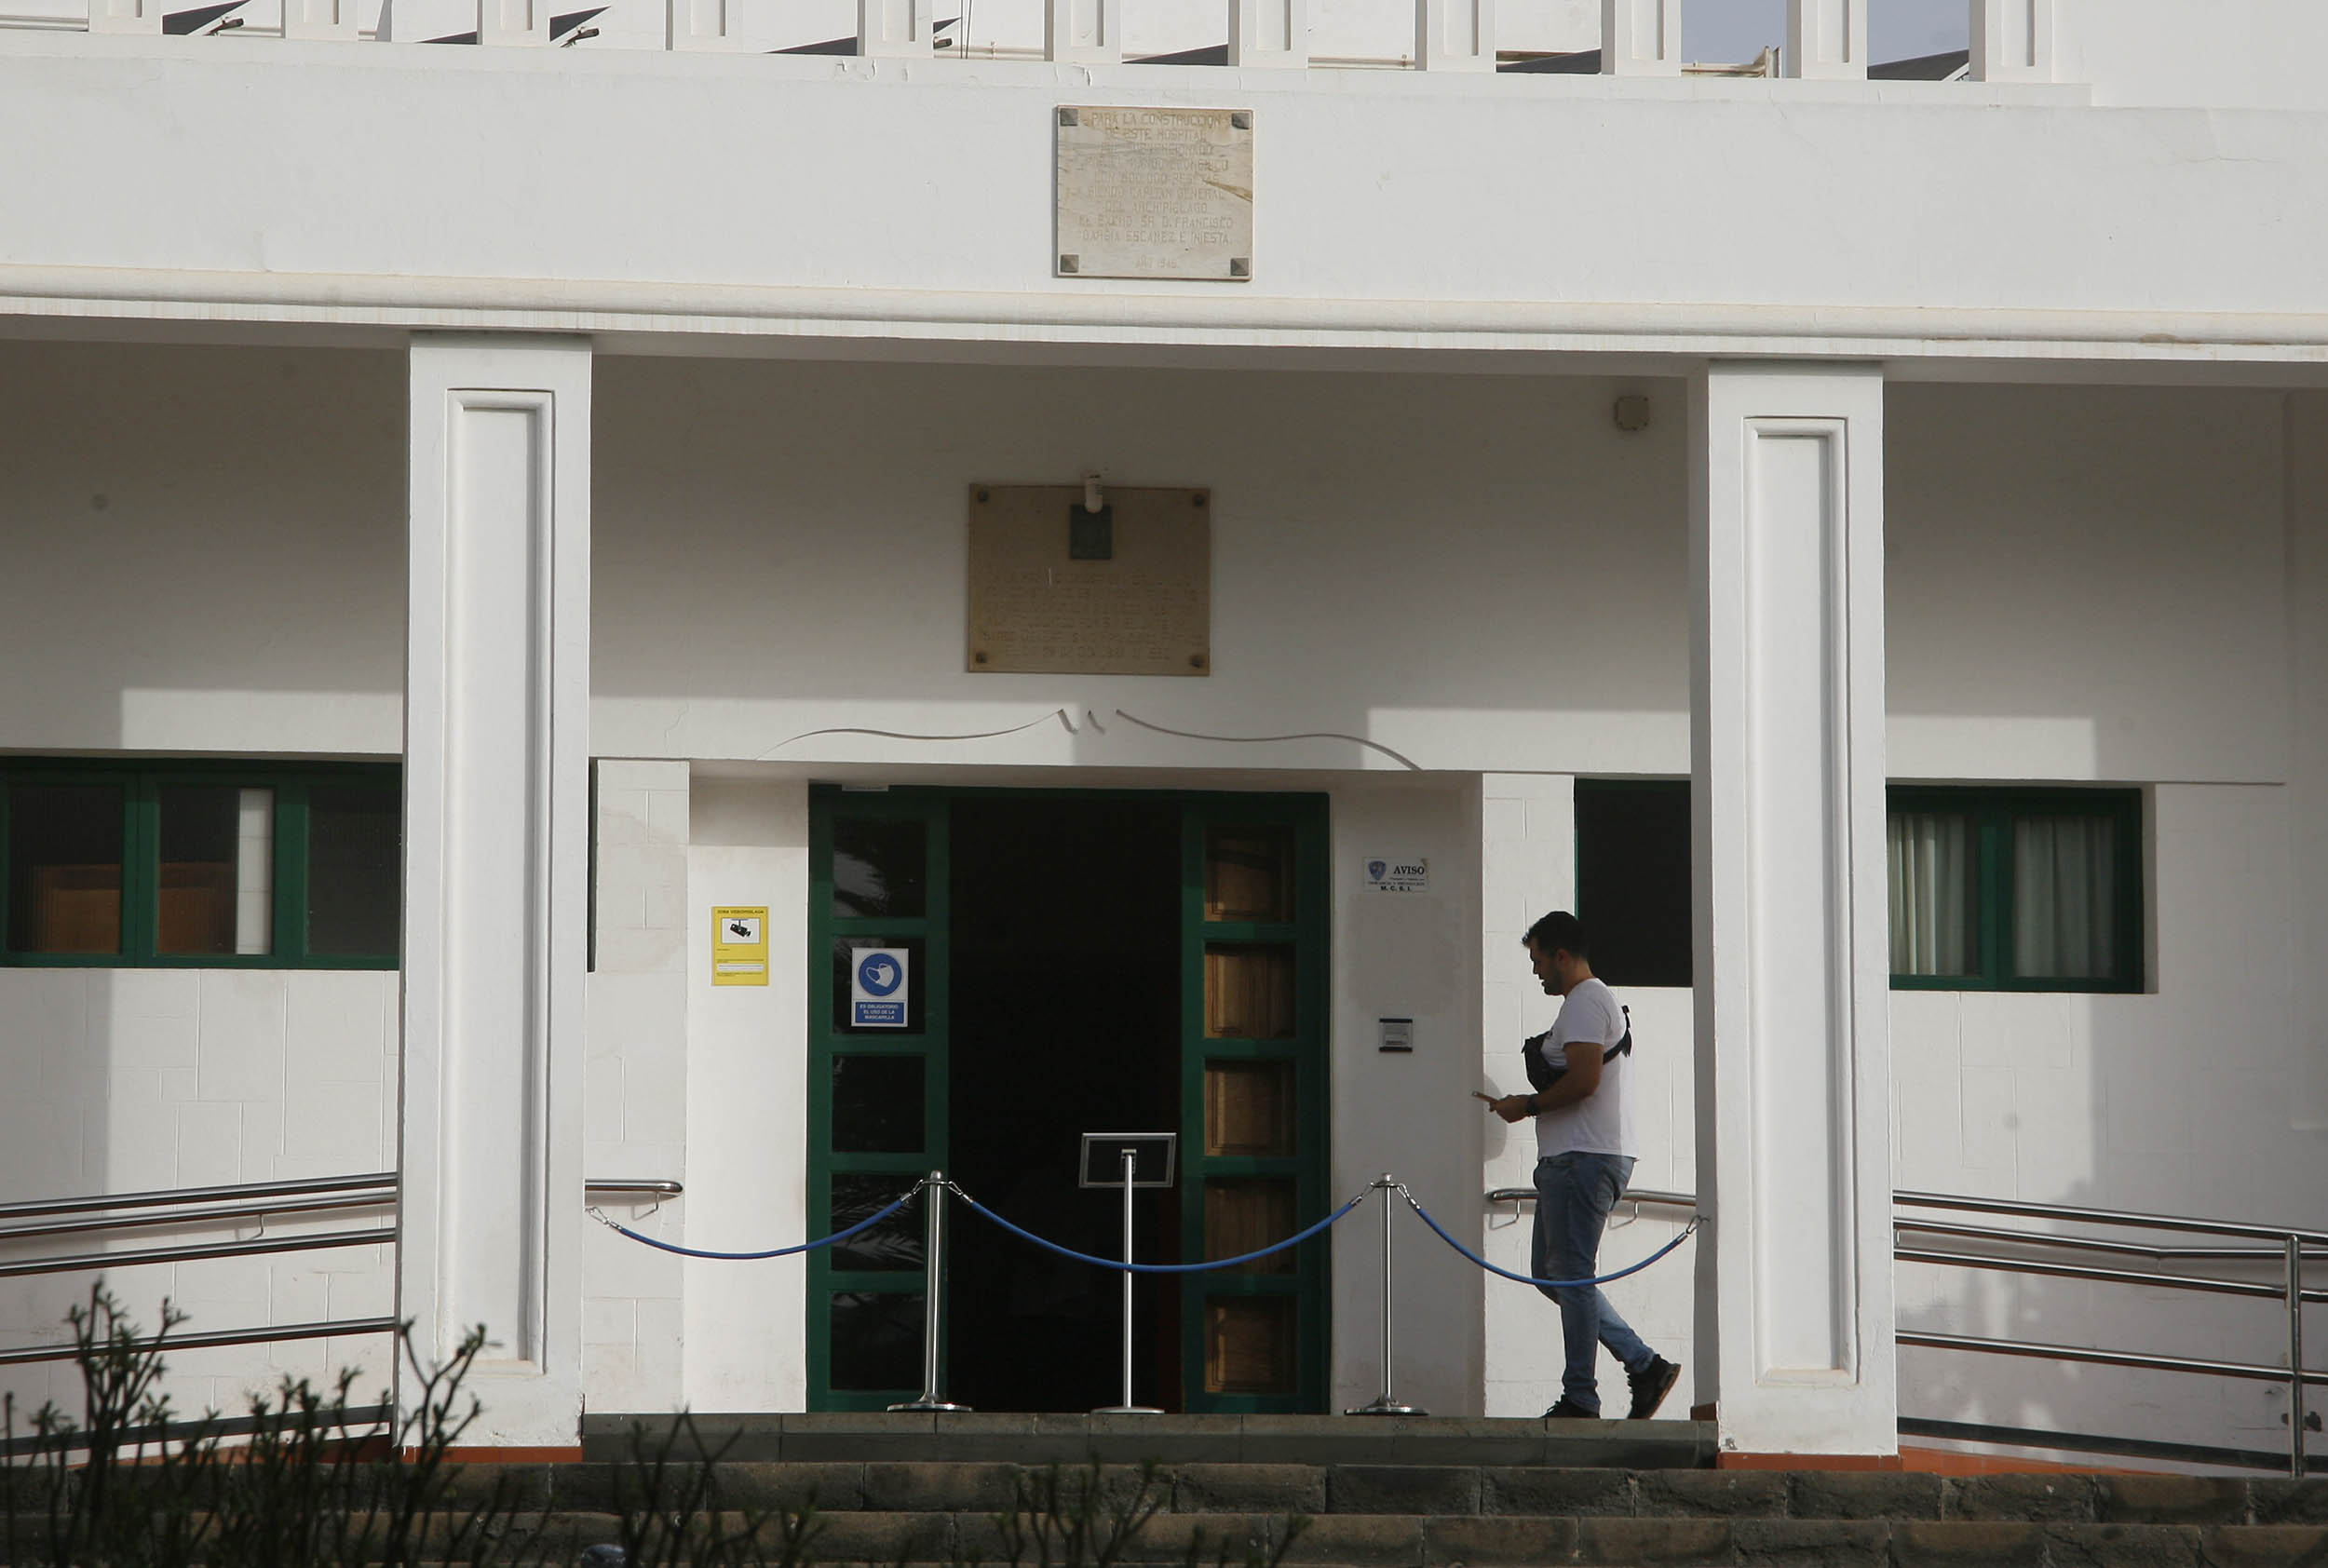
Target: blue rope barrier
<point>1119,1265</point>
<point>866,1224</point>
<point>1687,1230</point>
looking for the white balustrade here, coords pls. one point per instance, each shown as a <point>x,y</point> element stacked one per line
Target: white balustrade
<point>1826,39</point>
<point>125,16</point>
<point>1641,37</point>
<point>2012,40</point>
<point>695,26</point>
<point>1454,34</point>
<point>894,28</point>
<point>513,21</point>
<point>1269,32</point>
<point>1083,32</point>
<point>319,19</point>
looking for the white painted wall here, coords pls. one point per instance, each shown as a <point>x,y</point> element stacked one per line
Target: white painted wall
<point>131,1080</point>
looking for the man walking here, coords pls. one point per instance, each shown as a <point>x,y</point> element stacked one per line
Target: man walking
<point>1585,1152</point>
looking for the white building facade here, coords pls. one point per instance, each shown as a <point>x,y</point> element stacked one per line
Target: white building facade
<point>477,519</point>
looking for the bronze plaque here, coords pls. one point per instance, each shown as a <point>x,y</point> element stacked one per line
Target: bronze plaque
<point>1057,590</point>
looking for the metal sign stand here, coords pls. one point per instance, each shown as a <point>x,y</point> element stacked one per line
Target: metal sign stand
<point>933,1265</point>
<point>1129,1146</point>
<point>1385,1402</point>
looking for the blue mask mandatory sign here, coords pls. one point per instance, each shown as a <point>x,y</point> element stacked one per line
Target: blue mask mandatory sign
<point>879,988</point>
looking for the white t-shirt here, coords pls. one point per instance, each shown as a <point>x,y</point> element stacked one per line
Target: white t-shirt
<point>1600,1123</point>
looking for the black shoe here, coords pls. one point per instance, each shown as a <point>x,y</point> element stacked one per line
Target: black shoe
<point>1650,1387</point>
<point>1568,1410</point>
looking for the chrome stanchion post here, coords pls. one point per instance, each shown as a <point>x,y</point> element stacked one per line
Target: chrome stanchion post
<point>2296,1357</point>
<point>1126,1407</point>
<point>933,1301</point>
<point>1385,1402</point>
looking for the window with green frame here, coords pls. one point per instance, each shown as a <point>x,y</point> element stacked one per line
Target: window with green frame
<point>200,864</point>
<point>2016,889</point>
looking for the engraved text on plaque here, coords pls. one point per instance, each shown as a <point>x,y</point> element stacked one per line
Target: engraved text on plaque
<point>1156,193</point>
<point>1038,607</point>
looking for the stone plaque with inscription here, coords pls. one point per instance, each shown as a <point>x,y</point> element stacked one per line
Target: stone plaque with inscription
<point>1156,193</point>
<point>1058,590</point>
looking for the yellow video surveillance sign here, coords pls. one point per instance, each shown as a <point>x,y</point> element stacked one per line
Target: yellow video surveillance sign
<point>739,946</point>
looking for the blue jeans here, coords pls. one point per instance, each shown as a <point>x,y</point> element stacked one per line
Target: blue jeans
<point>1574,1193</point>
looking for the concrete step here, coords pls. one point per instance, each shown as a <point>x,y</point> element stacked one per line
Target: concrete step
<point>1170,1440</point>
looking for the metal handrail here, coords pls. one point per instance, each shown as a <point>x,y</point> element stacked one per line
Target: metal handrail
<point>1632,1194</point>
<point>179,1196</point>
<point>341,1193</point>
<point>2295,1247</point>
<point>222,1336</point>
<point>379,1236</point>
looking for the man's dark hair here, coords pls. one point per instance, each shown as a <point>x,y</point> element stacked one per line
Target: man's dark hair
<point>1560,932</point>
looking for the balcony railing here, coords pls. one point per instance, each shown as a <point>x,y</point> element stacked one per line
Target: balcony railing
<point>2011,40</point>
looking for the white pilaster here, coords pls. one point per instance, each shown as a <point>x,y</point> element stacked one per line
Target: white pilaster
<point>513,21</point>
<point>319,19</point>
<point>125,16</point>
<point>695,24</point>
<point>1086,31</point>
<point>1794,1301</point>
<point>2308,720</point>
<point>1454,34</point>
<point>1641,37</point>
<point>2012,40</point>
<point>1269,32</point>
<point>497,790</point>
<point>1826,39</point>
<point>893,29</point>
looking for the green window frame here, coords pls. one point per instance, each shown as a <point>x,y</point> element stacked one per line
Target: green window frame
<point>1992,816</point>
<point>140,785</point>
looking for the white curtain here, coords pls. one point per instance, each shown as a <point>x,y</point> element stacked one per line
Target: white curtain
<point>2064,897</point>
<point>1932,894</point>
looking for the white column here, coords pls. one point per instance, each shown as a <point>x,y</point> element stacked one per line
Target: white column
<point>2307,721</point>
<point>1795,1302</point>
<point>319,19</point>
<point>1269,32</point>
<point>496,785</point>
<point>1641,37</point>
<point>513,21</point>
<point>2012,40</point>
<point>125,16</point>
<point>1826,39</point>
<point>894,28</point>
<point>1454,34</point>
<point>1087,31</point>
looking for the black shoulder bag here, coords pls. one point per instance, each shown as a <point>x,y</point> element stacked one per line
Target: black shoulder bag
<point>1542,1074</point>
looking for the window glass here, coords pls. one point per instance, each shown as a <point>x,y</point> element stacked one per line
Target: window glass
<point>913,983</point>
<point>216,880</point>
<point>877,1340</point>
<point>2064,897</point>
<point>1249,991</point>
<point>65,867</point>
<point>1249,873</point>
<point>354,871</point>
<point>1933,857</point>
<point>897,1243</point>
<point>877,1104</point>
<point>878,869</point>
<point>1249,1344</point>
<point>1633,879</point>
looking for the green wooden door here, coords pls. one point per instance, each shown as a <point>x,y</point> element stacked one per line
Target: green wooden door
<point>1252,1076</point>
<point>877,1090</point>
<point>1254,1099</point>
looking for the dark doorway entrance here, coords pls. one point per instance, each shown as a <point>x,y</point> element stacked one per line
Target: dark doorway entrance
<point>1066,1000</point>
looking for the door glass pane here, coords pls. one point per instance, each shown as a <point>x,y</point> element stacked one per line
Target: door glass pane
<point>1933,910</point>
<point>1249,1344</point>
<point>877,1340</point>
<point>217,870</point>
<point>1245,1213</point>
<point>2064,897</point>
<point>897,1242</point>
<point>1249,873</point>
<point>1249,991</point>
<point>884,986</point>
<point>879,869</point>
<point>65,867</point>
<point>354,871</point>
<point>1249,1108</point>
<point>876,1104</point>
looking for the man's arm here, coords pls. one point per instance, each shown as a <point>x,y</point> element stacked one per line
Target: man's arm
<point>1582,1077</point>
